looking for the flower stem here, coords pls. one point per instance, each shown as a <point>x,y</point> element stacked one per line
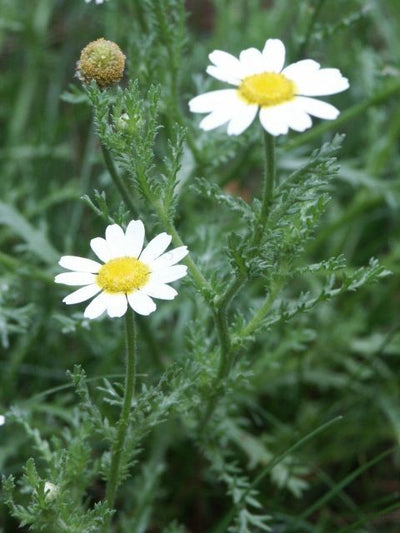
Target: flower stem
<point>199,280</point>
<point>268,186</point>
<point>313,20</point>
<point>118,182</point>
<point>222,303</point>
<point>122,427</point>
<point>252,325</point>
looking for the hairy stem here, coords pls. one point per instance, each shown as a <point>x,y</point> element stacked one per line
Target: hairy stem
<point>313,20</point>
<point>266,200</point>
<point>123,424</point>
<point>198,279</point>
<point>253,324</point>
<point>268,186</point>
<point>222,303</point>
<point>118,182</point>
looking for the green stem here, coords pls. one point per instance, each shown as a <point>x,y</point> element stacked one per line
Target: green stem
<point>266,200</point>
<point>130,379</point>
<point>118,182</point>
<point>221,321</point>
<point>263,310</point>
<point>313,20</point>
<point>199,280</point>
<point>268,187</point>
<point>222,304</point>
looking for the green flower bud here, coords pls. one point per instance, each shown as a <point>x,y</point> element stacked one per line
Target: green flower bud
<point>123,122</point>
<point>51,491</point>
<point>101,61</point>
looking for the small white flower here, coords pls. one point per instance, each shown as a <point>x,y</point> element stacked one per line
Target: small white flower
<point>282,95</point>
<point>97,1</point>
<point>2,420</point>
<point>128,275</point>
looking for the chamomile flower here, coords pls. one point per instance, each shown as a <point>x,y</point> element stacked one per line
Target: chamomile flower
<point>128,274</point>
<point>282,96</point>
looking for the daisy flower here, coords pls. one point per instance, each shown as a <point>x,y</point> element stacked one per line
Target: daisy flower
<point>281,95</point>
<point>128,275</point>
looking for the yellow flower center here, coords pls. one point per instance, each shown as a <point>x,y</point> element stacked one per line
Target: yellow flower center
<point>124,274</point>
<point>267,89</point>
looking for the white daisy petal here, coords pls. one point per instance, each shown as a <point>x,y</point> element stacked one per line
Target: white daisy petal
<point>141,303</point>
<point>216,119</point>
<point>155,248</point>
<point>223,74</point>
<point>82,294</point>
<point>96,306</point>
<point>224,59</point>
<point>117,305</point>
<point>160,291</point>
<point>134,238</point>
<point>251,62</point>
<point>79,264</point>
<point>223,114</point>
<point>317,108</point>
<point>115,238</point>
<point>169,258</point>
<point>242,119</point>
<point>169,274</point>
<point>272,121</point>
<point>273,55</point>
<point>322,83</point>
<point>101,249</point>
<point>75,278</point>
<point>301,69</point>
<point>207,102</point>
<point>295,116</point>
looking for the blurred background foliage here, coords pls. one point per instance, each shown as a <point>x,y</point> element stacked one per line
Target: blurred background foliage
<point>340,358</point>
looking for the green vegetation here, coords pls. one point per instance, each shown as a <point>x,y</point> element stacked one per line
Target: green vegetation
<point>267,393</point>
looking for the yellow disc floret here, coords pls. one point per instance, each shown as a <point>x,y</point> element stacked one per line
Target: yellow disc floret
<point>101,61</point>
<point>267,89</point>
<point>122,275</point>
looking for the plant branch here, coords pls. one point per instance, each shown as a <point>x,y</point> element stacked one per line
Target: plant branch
<point>123,424</point>
<point>118,182</point>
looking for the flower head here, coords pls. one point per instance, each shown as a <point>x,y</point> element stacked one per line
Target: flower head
<point>97,1</point>
<point>128,275</point>
<point>101,61</point>
<point>281,95</point>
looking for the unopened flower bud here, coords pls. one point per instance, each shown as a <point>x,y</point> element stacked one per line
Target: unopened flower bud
<point>123,121</point>
<point>101,61</point>
<point>129,123</point>
<point>51,491</point>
